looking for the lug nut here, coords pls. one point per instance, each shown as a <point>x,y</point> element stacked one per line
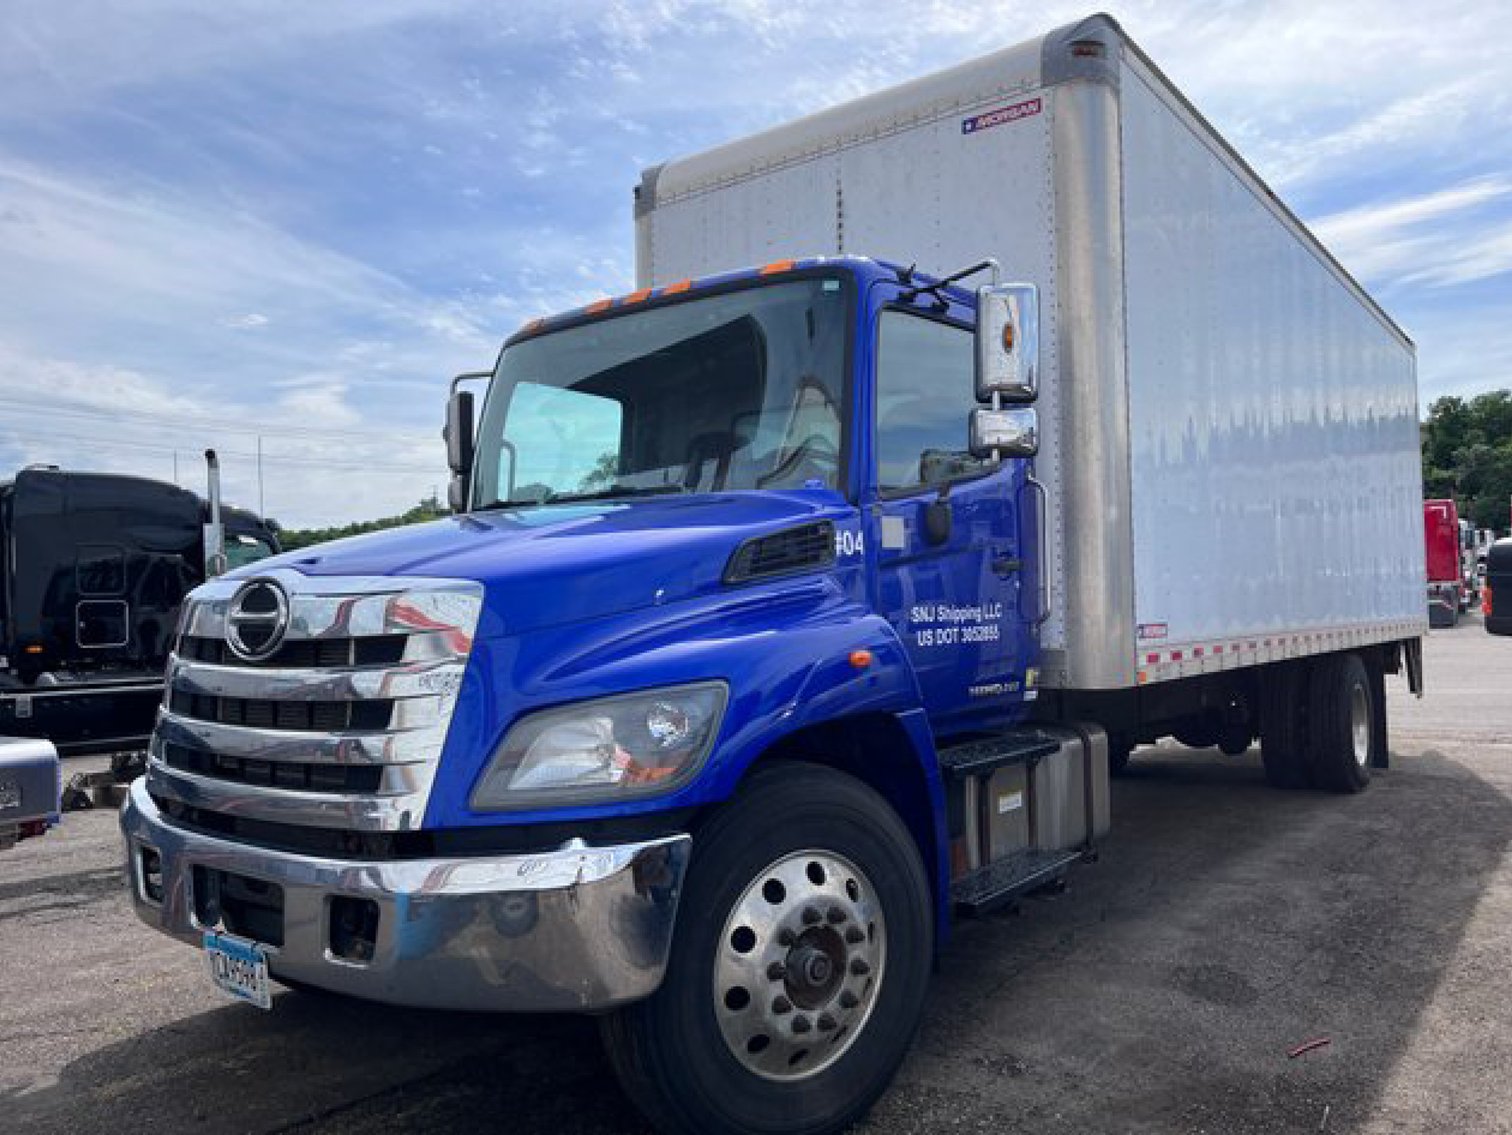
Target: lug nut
<point>848,1000</point>
<point>776,971</point>
<point>785,937</point>
<point>811,915</point>
<point>826,1023</point>
<point>782,1005</point>
<point>859,967</point>
<point>801,1024</point>
<point>854,935</point>
<point>836,915</point>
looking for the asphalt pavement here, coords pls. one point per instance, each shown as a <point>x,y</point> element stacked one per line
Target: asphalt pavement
<point>1225,925</point>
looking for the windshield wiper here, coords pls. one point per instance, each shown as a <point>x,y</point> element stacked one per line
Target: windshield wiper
<point>571,498</point>
<point>617,491</point>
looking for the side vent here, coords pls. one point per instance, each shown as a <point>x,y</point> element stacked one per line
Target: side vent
<point>804,548</point>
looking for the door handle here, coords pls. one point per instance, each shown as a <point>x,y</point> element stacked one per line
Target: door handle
<point>1006,565</point>
<point>1042,518</point>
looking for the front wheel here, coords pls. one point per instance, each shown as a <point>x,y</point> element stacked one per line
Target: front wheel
<point>799,970</point>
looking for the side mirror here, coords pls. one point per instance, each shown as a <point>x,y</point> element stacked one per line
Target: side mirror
<point>1005,433</point>
<point>459,447</point>
<point>1007,343</point>
<point>459,432</point>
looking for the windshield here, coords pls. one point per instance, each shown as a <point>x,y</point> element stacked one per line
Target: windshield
<point>735,391</point>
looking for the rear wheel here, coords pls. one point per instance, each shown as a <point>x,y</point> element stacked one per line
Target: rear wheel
<point>800,967</point>
<point>1342,727</point>
<point>1283,737</point>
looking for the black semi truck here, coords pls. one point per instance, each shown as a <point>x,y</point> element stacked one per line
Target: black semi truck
<point>93,568</point>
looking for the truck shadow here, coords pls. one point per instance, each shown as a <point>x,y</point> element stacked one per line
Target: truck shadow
<point>326,1063</point>
<point>1224,924</point>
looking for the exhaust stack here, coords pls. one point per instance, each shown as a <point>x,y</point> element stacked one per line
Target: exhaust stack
<point>215,534</point>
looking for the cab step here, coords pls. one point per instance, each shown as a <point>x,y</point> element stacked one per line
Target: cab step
<point>1000,882</point>
<point>979,758</point>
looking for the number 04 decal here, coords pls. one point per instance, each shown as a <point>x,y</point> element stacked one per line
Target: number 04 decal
<point>849,543</point>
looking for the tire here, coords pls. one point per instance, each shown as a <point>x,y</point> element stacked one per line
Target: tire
<point>1341,713</point>
<point>1283,719</point>
<point>679,1054</point>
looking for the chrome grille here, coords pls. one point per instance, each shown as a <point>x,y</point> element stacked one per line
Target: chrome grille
<point>277,774</point>
<point>373,650</point>
<point>301,716</point>
<point>341,727</point>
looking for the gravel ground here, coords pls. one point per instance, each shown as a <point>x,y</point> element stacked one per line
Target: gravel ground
<point>1225,925</point>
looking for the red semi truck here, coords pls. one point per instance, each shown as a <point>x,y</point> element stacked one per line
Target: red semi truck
<point>1446,582</point>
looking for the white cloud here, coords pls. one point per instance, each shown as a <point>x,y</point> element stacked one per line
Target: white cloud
<point>1441,238</point>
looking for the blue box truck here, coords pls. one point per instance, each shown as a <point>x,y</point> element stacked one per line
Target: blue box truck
<point>803,598</point>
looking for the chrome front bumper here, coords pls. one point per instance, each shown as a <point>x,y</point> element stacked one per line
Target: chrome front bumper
<point>578,928</point>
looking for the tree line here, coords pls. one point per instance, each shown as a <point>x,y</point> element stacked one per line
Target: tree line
<point>291,539</point>
<point>1467,455</point>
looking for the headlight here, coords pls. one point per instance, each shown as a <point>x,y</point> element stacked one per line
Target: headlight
<point>609,749</point>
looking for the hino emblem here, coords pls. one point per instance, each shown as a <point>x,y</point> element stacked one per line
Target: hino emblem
<point>258,620</point>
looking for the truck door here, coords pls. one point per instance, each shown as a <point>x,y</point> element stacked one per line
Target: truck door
<point>952,564</point>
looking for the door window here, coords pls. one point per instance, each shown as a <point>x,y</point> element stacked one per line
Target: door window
<point>925,396</point>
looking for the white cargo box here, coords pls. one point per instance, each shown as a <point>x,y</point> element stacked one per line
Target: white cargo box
<point>1229,423</point>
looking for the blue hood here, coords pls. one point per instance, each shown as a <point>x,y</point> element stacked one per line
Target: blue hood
<point>560,563</point>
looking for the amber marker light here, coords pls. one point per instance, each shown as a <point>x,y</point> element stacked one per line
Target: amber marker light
<point>597,306</point>
<point>674,289</point>
<point>1008,336</point>
<point>860,659</point>
<point>776,266</point>
<point>636,297</point>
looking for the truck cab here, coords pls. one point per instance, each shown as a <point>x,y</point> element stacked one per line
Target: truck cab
<point>738,561</point>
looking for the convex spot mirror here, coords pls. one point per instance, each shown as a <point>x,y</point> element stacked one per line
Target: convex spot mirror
<point>1007,342</point>
<point>1012,432</point>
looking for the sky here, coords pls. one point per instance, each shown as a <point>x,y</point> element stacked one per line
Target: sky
<point>284,226</point>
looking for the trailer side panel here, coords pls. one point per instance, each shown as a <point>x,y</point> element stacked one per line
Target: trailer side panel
<point>1272,413</point>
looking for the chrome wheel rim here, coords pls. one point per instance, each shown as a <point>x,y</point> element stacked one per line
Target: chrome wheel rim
<point>1359,725</point>
<point>798,965</point>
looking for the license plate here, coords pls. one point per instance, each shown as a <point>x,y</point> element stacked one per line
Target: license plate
<point>239,968</point>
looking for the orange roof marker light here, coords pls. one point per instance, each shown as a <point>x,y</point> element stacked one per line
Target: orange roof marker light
<point>776,266</point>
<point>534,325</point>
<point>597,306</point>
<point>636,297</point>
<point>674,289</point>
